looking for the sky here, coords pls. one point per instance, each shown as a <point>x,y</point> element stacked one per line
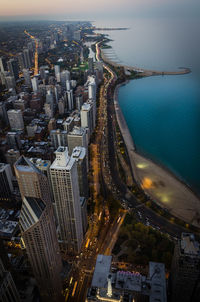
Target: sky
<point>91,9</point>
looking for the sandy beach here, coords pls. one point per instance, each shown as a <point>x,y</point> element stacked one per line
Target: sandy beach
<point>163,188</point>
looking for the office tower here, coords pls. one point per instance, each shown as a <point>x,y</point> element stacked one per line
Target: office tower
<point>64,77</point>
<point>39,235</point>
<point>10,82</point>
<point>70,101</point>
<point>68,85</point>
<point>185,272</point>
<point>32,182</point>
<point>87,119</point>
<point>27,77</point>
<point>92,88</point>
<point>64,179</point>
<point>3,64</point>
<point>44,166</point>
<point>48,110</point>
<point>68,124</point>
<point>8,290</point>
<point>77,137</point>
<point>3,113</point>
<point>58,138</point>
<point>27,58</point>
<point>98,66</point>
<point>11,157</point>
<point>34,82</point>
<point>79,101</point>
<point>52,124</point>
<point>43,74</point>
<point>20,58</point>
<point>77,35</point>
<point>57,73</point>
<point>90,65</point>
<point>20,104</point>
<point>15,119</point>
<point>79,154</point>
<point>13,68</point>
<point>13,140</point>
<point>61,106</point>
<point>6,186</point>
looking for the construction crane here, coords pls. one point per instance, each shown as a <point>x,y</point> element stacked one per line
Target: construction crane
<point>36,52</point>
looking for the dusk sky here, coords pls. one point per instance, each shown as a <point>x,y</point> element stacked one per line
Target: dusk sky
<point>91,9</point>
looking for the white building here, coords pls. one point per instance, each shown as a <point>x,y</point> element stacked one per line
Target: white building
<point>64,179</point>
<point>15,119</point>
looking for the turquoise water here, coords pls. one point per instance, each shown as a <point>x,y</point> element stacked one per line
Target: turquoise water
<point>163,113</point>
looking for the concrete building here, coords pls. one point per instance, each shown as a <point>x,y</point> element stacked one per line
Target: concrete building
<point>68,124</point>
<point>6,186</point>
<point>127,286</point>
<point>8,290</point>
<point>13,140</point>
<point>3,113</point>
<point>39,235</point>
<point>27,58</point>
<point>34,82</point>
<point>21,62</point>
<point>58,138</point>
<point>3,64</point>
<point>27,77</point>
<point>61,106</point>
<point>185,272</point>
<point>57,73</point>
<point>77,137</point>
<point>11,157</point>
<point>77,35</point>
<point>15,119</point>
<point>32,182</point>
<point>13,68</point>
<point>64,179</point>
<point>79,154</point>
<point>10,82</point>
<point>87,119</point>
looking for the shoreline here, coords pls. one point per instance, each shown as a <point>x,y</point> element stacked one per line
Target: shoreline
<point>164,188</point>
<point>145,72</point>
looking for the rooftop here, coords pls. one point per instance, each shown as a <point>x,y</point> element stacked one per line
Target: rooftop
<point>101,271</point>
<point>77,131</point>
<point>189,245</point>
<point>79,153</point>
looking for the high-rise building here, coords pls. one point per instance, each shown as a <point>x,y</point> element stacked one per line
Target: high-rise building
<point>11,157</point>
<point>77,137</point>
<point>61,106</point>
<point>15,119</point>
<point>64,76</point>
<point>27,77</point>
<point>64,179</point>
<point>20,58</point>
<point>92,88</point>
<point>77,35</point>
<point>185,272</point>
<point>3,65</point>
<point>34,82</point>
<point>70,101</point>
<point>87,119</point>
<point>8,290</point>
<point>39,235</point>
<point>10,82</point>
<point>13,140</point>
<point>58,138</point>
<point>6,186</point>
<point>57,73</point>
<point>27,58</point>
<point>79,154</point>
<point>3,113</point>
<point>32,182</point>
<point>13,68</point>
<point>79,101</point>
<point>68,124</point>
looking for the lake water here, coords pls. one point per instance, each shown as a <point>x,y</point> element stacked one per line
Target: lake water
<point>162,113</point>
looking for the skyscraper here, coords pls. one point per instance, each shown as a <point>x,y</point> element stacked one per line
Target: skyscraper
<point>32,182</point>
<point>58,138</point>
<point>13,68</point>
<point>27,58</point>
<point>3,65</point>
<point>8,290</point>
<point>27,77</point>
<point>64,179</point>
<point>185,272</point>
<point>15,119</point>
<point>39,235</point>
<point>6,186</point>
